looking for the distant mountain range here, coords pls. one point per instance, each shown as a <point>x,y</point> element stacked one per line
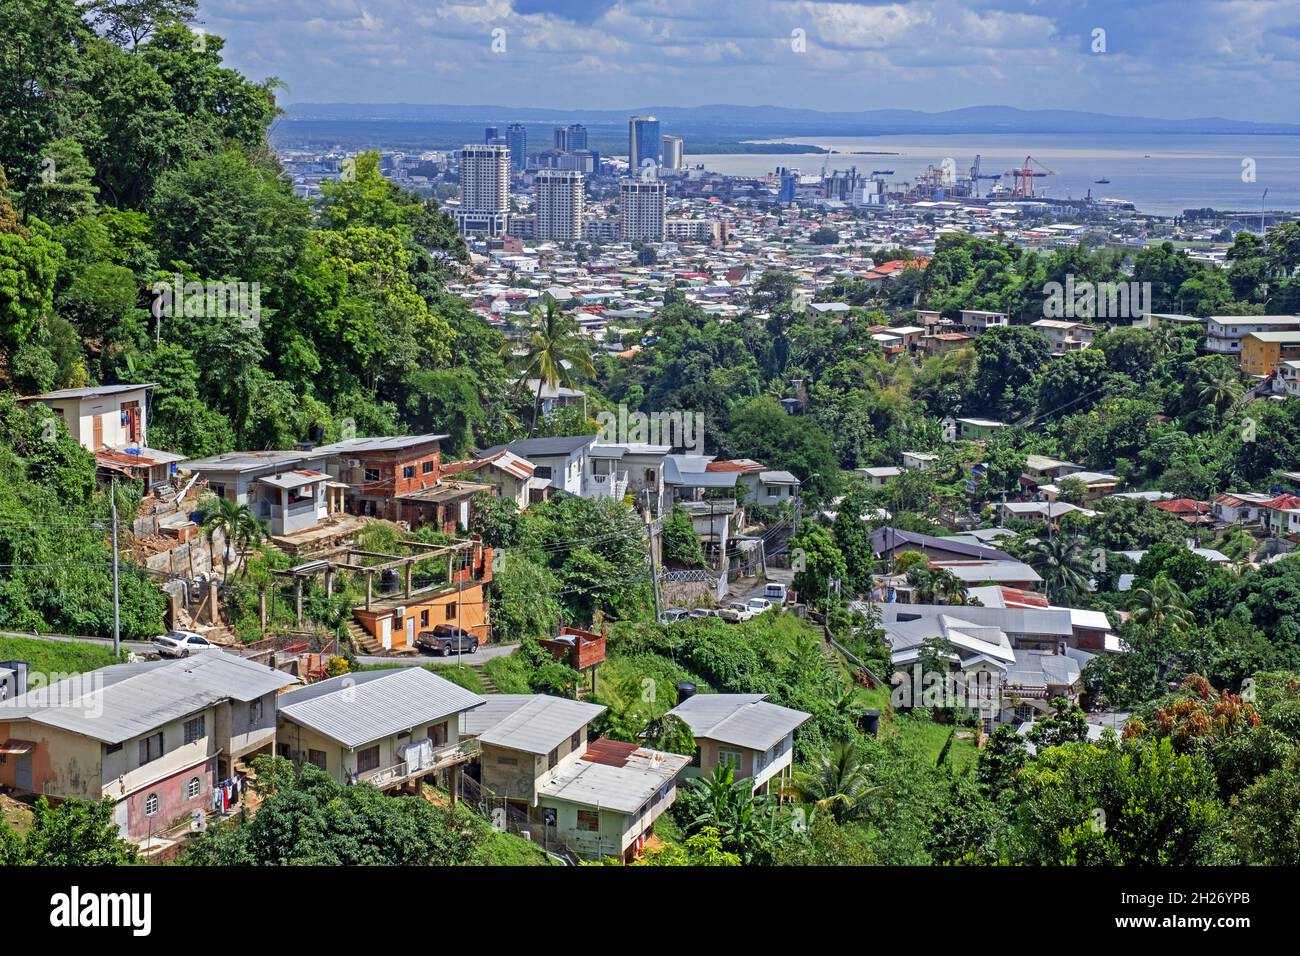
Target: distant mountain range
<point>785,121</point>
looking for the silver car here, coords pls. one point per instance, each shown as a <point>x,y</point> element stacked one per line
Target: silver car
<point>182,644</point>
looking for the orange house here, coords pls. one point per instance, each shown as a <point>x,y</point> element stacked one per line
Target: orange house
<point>395,621</point>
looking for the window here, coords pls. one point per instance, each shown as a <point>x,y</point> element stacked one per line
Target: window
<point>542,471</point>
<point>508,761</point>
<point>151,804</point>
<point>193,730</point>
<point>426,467</point>
<point>112,748</point>
<point>368,760</point>
<point>729,756</point>
<point>316,758</point>
<point>424,618</point>
<point>552,758</point>
<point>576,740</point>
<point>408,471</point>
<point>151,747</point>
<point>451,611</point>
<point>193,788</point>
<point>371,474</point>
<point>254,711</point>
<point>650,476</point>
<point>589,820</point>
<point>438,734</point>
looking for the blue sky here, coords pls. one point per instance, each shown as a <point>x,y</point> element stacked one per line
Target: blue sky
<point>1166,58</point>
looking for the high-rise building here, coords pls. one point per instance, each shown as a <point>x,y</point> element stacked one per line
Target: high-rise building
<point>490,134</point>
<point>643,142</point>
<point>517,140</point>
<point>642,210</point>
<point>560,138</point>
<point>559,196</point>
<point>674,152</point>
<point>577,137</point>
<point>484,190</point>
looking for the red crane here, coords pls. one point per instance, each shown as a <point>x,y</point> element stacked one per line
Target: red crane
<point>1025,176</point>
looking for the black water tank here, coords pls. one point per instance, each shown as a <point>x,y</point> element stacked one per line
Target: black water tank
<point>685,690</point>
<point>871,723</point>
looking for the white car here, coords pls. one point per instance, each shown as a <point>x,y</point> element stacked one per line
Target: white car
<point>182,644</point>
<point>775,592</point>
<point>759,605</point>
<point>699,612</point>
<point>736,612</point>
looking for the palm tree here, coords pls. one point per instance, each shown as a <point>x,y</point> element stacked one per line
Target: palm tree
<point>556,354</point>
<point>730,806</point>
<point>1163,605</point>
<point>1062,563</point>
<point>937,586</point>
<point>1220,387</point>
<point>237,524</point>
<point>837,780</point>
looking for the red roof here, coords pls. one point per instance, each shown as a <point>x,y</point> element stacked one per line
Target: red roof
<point>742,465</point>
<point>1018,597</point>
<point>1183,506</point>
<point>1283,503</point>
<point>612,753</point>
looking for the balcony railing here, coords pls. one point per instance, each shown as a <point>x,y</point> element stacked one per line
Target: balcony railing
<point>442,757</point>
<point>613,485</point>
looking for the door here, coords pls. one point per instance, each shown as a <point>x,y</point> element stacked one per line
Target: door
<point>410,631</point>
<point>98,431</point>
<point>23,772</point>
<point>386,632</point>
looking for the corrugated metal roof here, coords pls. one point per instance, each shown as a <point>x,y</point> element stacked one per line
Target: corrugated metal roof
<point>743,719</point>
<point>358,709</point>
<point>538,723</point>
<point>624,788</point>
<point>123,701</point>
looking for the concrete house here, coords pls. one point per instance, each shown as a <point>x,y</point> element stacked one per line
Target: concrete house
<point>754,736</point>
<point>286,489</point>
<point>111,422</point>
<point>597,798</point>
<point>559,464</point>
<point>388,728</point>
<point>510,476</point>
<point>152,737</point>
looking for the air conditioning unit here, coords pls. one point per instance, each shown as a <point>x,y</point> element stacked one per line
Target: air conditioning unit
<point>354,462</point>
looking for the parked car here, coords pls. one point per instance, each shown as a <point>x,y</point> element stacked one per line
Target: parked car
<point>759,605</point>
<point>675,614</point>
<point>698,612</point>
<point>736,611</point>
<point>182,644</point>
<point>445,639</point>
<point>775,592</point>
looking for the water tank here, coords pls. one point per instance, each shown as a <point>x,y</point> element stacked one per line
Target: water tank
<point>685,690</point>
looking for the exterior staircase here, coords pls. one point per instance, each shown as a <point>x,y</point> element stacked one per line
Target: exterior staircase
<point>488,686</point>
<point>363,640</point>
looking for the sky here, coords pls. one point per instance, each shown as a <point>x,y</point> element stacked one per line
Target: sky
<point>1238,59</point>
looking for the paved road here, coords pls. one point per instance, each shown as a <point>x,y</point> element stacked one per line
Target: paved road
<point>139,647</point>
<point>484,653</point>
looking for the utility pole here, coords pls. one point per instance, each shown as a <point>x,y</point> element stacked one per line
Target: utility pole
<point>654,567</point>
<point>117,607</point>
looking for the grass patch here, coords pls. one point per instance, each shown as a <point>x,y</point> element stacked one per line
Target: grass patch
<point>926,737</point>
<point>466,677</point>
<point>56,657</point>
<point>506,849</point>
<point>509,673</point>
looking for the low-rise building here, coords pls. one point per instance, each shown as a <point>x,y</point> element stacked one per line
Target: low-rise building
<point>154,738</point>
<point>756,737</point>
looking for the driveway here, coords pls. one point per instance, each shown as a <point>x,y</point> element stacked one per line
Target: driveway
<point>485,653</point>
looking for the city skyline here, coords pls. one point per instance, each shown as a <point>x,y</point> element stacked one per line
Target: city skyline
<point>1230,59</point>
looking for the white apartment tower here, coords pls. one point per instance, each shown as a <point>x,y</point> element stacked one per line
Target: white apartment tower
<point>559,194</point>
<point>484,190</point>
<point>642,210</point>
<point>674,153</point>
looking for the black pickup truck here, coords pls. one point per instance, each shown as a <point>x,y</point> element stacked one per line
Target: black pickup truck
<point>445,639</point>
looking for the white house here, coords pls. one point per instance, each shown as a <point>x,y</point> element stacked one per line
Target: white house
<point>756,737</point>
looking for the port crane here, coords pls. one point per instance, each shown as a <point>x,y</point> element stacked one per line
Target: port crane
<point>976,176</point>
<point>1025,176</point>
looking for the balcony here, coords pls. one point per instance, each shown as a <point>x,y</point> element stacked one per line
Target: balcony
<point>446,756</point>
<point>578,648</point>
<point>612,485</point>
